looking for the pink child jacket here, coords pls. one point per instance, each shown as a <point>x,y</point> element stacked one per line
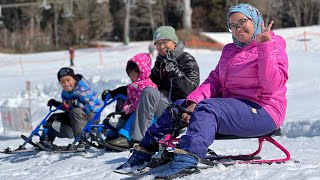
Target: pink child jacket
<point>135,89</point>
<point>257,72</point>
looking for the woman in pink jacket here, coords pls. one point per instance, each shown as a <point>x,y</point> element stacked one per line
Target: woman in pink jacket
<point>245,95</point>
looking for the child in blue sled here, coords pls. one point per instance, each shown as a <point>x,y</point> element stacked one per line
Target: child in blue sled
<point>80,104</point>
<point>245,95</point>
<point>139,70</point>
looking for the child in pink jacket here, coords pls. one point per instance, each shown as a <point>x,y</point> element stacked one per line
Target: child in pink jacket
<point>139,70</point>
<point>245,95</point>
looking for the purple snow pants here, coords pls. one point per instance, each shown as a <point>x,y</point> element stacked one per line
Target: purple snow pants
<point>226,116</point>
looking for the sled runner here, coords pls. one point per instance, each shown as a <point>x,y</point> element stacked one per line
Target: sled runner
<point>35,132</point>
<point>253,158</point>
<point>40,130</point>
<point>249,158</point>
<point>97,135</point>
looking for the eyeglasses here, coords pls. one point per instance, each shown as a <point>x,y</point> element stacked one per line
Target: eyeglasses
<point>241,24</point>
<point>160,44</point>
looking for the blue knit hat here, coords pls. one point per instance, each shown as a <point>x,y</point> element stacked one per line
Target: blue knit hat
<point>253,14</point>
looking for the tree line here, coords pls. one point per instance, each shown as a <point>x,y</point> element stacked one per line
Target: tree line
<point>42,25</point>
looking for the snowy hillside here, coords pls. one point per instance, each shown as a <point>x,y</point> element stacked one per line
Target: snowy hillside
<point>105,69</point>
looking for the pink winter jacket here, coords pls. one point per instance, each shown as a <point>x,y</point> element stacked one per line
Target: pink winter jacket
<point>257,72</point>
<point>135,89</point>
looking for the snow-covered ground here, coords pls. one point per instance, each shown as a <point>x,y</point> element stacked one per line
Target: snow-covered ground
<point>105,69</point>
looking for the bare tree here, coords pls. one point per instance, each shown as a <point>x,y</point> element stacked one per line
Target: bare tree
<point>319,17</point>
<point>187,14</point>
<point>56,10</point>
<point>83,25</point>
<point>275,11</point>
<point>152,23</point>
<point>163,17</point>
<point>34,17</point>
<point>230,3</point>
<point>308,12</point>
<point>100,22</point>
<point>295,11</point>
<point>268,11</point>
<point>303,12</point>
<point>127,22</point>
<point>317,9</point>
<point>145,15</point>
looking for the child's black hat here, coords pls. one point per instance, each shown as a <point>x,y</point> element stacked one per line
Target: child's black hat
<point>65,71</point>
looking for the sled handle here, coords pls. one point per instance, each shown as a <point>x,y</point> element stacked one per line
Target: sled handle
<point>53,110</point>
<point>36,130</point>
<point>107,101</point>
<point>180,108</point>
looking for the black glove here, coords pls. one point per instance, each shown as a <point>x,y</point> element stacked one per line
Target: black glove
<point>104,94</point>
<point>66,106</point>
<point>171,66</point>
<point>168,69</point>
<point>53,102</point>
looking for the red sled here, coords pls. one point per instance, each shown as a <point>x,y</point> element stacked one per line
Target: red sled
<point>212,158</point>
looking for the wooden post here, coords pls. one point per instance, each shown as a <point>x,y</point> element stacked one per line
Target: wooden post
<point>4,129</point>
<point>28,88</point>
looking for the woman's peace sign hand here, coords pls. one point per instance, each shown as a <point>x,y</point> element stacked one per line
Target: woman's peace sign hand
<point>265,33</point>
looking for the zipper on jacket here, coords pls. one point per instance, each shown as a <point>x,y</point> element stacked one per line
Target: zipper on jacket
<point>170,91</point>
<point>160,69</point>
